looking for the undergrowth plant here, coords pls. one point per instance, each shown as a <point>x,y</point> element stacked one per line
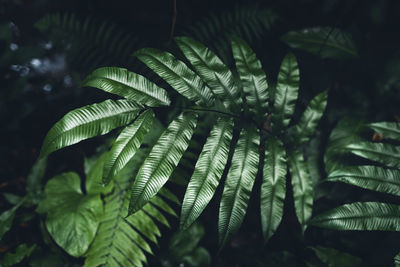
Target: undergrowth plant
<point>252,135</point>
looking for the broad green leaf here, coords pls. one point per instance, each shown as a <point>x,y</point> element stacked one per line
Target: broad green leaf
<point>310,118</point>
<point>238,185</point>
<point>252,76</point>
<point>334,258</point>
<point>126,145</point>
<point>208,172</point>
<point>72,217</point>
<point>369,177</point>
<point>87,122</point>
<point>22,252</point>
<point>176,74</point>
<point>162,160</point>
<point>389,130</point>
<point>273,188</point>
<point>302,188</point>
<point>345,133</point>
<point>386,154</point>
<point>212,70</point>
<point>363,216</point>
<point>286,91</point>
<point>326,42</point>
<point>129,85</point>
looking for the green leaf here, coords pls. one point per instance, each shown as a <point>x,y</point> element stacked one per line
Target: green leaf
<point>363,216</point>
<point>183,242</point>
<point>129,85</point>
<point>7,218</point>
<point>22,252</point>
<point>310,118</point>
<point>126,145</point>
<point>369,177</point>
<point>212,70</point>
<point>238,185</point>
<point>72,218</point>
<point>34,188</point>
<point>334,258</point>
<point>397,260</point>
<point>177,75</point>
<point>302,188</point>
<point>389,130</point>
<point>162,160</point>
<point>386,154</point>
<point>87,122</point>
<point>208,172</point>
<point>273,188</point>
<point>252,76</point>
<point>286,91</point>
<point>326,42</point>
<point>94,183</point>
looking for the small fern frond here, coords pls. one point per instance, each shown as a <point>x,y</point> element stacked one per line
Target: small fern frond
<point>129,85</point>
<point>273,188</point>
<point>363,216</point>
<point>87,122</point>
<point>162,160</point>
<point>238,185</point>
<point>207,172</point>
<point>286,91</point>
<point>252,77</point>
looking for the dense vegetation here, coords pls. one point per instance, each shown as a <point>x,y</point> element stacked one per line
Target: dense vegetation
<point>244,133</point>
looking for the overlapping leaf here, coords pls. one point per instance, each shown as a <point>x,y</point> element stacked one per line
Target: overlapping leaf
<point>176,74</point>
<point>238,185</point>
<point>212,70</point>
<point>87,122</point>
<point>208,172</point>
<point>388,130</point>
<point>252,76</point>
<point>365,216</point>
<point>129,85</point>
<point>286,91</point>
<point>302,188</point>
<point>386,154</point>
<point>369,177</point>
<point>310,118</point>
<point>162,160</point>
<point>126,145</point>
<point>273,188</point>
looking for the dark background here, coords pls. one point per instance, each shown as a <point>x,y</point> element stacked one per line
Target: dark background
<point>40,83</point>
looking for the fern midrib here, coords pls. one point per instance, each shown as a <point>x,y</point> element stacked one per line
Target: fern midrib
<point>274,184</point>
<point>379,179</point>
<point>226,89</point>
<point>363,216</point>
<point>379,153</point>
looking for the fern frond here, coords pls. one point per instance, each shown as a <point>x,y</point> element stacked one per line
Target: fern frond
<point>250,22</point>
<point>386,154</point>
<point>238,185</point>
<point>126,145</point>
<point>388,130</point>
<point>127,84</point>
<point>369,177</point>
<point>176,74</point>
<point>324,41</point>
<point>162,160</point>
<point>87,122</point>
<point>363,216</point>
<point>207,172</point>
<point>121,240</point>
<point>286,91</point>
<point>92,43</point>
<point>302,188</point>
<point>252,77</point>
<point>212,70</point>
<point>273,188</point>
<point>310,118</point>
